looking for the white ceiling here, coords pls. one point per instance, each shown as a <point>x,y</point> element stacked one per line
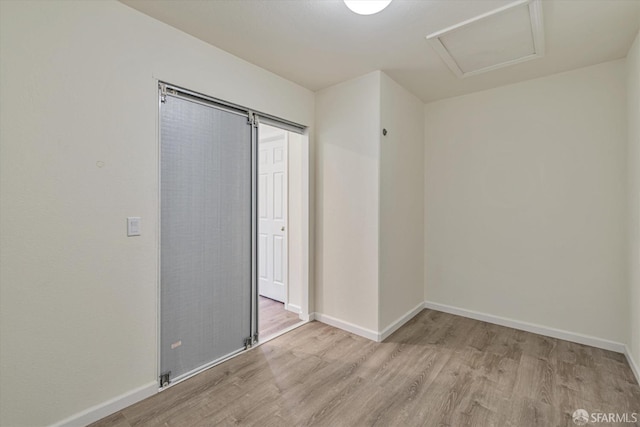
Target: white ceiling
<point>318,43</point>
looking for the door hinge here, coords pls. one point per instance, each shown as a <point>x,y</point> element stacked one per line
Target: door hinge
<point>163,92</point>
<point>248,342</point>
<point>165,379</point>
<point>253,119</point>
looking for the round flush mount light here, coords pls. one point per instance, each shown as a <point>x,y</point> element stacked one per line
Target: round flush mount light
<point>366,7</point>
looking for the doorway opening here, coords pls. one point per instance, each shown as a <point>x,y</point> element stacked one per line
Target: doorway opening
<point>280,230</point>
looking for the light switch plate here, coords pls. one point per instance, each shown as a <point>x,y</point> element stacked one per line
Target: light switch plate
<point>133,226</point>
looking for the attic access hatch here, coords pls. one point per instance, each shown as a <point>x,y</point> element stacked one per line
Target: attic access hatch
<point>505,36</point>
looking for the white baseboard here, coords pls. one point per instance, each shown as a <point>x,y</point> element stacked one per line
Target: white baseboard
<point>529,327</point>
<point>346,326</point>
<point>632,363</point>
<point>109,407</point>
<point>293,308</point>
<point>368,333</point>
<point>397,324</point>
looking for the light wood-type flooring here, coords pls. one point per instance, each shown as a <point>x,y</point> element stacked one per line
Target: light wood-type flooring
<point>273,318</point>
<point>437,370</point>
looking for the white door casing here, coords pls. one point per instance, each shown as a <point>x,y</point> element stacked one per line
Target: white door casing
<point>272,215</point>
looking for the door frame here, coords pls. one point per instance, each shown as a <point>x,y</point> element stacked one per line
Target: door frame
<point>306,315</point>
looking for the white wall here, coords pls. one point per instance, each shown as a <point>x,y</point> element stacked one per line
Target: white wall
<point>295,229</point>
<point>347,198</point>
<point>370,238</point>
<point>401,228</point>
<point>633,156</point>
<point>526,201</point>
<point>78,298</point>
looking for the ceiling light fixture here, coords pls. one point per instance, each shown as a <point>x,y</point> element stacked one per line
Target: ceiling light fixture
<point>366,7</point>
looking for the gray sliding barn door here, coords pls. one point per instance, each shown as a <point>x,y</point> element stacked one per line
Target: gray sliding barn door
<point>206,233</point>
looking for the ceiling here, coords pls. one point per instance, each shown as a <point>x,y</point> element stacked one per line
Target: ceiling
<point>318,43</point>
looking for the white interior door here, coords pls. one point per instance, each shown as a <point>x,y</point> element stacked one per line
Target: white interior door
<point>272,213</point>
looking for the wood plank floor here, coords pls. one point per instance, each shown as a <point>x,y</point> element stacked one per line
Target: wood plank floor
<point>273,318</point>
<point>437,370</point>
